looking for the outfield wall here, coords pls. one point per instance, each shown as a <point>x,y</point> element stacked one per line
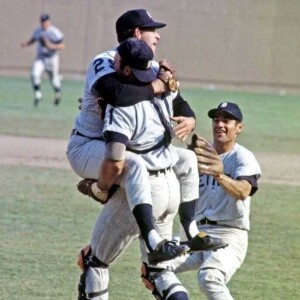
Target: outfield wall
<point>229,43</point>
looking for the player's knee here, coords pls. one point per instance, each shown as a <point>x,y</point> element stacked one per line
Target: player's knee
<point>93,283</point>
<point>169,287</point>
<point>96,283</point>
<point>211,280</point>
<point>56,83</point>
<point>36,80</point>
<point>186,165</point>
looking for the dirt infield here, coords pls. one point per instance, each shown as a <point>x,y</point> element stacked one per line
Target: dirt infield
<point>50,153</point>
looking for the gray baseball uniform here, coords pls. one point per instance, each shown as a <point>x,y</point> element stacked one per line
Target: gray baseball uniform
<point>232,224</point>
<point>141,125</point>
<point>115,227</point>
<point>46,59</point>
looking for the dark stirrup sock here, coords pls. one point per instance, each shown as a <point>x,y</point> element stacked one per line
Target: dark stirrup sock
<point>186,213</point>
<point>143,216</point>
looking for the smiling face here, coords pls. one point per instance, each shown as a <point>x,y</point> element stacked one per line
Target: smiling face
<point>225,131</point>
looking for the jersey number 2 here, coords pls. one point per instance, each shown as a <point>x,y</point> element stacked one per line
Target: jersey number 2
<point>98,64</point>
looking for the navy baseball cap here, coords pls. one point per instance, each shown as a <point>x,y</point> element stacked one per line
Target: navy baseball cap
<point>44,17</point>
<point>228,107</point>
<point>136,18</point>
<point>138,55</point>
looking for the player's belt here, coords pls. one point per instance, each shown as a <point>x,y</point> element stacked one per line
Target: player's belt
<point>206,221</point>
<point>76,132</point>
<point>161,171</point>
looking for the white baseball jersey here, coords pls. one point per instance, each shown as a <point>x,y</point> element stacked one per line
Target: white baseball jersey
<point>53,34</point>
<point>88,121</point>
<point>142,126</point>
<point>215,204</point>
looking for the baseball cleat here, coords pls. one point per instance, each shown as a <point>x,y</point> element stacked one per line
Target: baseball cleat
<point>37,98</point>
<point>203,242</point>
<point>57,99</point>
<point>36,102</point>
<point>166,250</point>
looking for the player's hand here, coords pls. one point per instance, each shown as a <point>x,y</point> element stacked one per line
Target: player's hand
<point>89,187</point>
<point>159,86</point>
<point>185,125</point>
<point>209,162</point>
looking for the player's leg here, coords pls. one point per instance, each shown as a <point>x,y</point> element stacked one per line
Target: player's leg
<point>113,232</point>
<point>218,267</point>
<point>165,197</point>
<point>52,67</point>
<point>85,156</point>
<point>38,68</point>
<point>187,173</point>
<point>135,180</point>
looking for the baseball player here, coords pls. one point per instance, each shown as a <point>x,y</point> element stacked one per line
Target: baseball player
<point>142,129</point>
<point>49,41</point>
<point>228,178</point>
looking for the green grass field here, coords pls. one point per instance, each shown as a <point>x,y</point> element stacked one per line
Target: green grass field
<point>44,221</point>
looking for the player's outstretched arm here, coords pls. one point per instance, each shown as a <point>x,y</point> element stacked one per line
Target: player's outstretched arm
<point>27,43</point>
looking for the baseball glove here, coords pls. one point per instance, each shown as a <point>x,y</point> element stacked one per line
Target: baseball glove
<point>209,162</point>
<point>166,65</point>
<point>165,70</point>
<point>89,188</point>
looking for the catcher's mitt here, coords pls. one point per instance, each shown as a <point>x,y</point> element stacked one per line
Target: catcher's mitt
<point>209,162</point>
<point>89,188</point>
<point>165,70</point>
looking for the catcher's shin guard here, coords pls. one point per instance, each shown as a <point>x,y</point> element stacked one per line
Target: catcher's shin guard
<point>163,283</point>
<point>90,264</point>
<point>81,287</point>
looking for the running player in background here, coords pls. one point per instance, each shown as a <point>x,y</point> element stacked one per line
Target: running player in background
<point>49,41</point>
